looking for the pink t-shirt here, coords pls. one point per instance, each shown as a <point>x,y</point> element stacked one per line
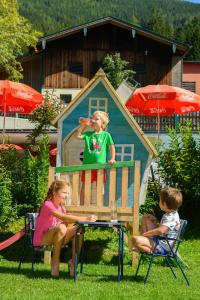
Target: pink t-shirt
<point>45,220</point>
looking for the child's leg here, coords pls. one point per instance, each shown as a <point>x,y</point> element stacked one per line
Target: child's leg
<point>149,222</point>
<point>143,244</point>
<point>71,235</point>
<point>55,237</point>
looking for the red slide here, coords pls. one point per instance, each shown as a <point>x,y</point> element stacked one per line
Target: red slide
<point>12,239</point>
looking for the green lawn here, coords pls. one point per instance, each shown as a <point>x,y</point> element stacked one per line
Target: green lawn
<point>99,280</point>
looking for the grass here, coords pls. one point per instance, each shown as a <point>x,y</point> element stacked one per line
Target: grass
<point>99,278</point>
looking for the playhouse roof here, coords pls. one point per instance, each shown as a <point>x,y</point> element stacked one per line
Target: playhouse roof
<point>100,76</point>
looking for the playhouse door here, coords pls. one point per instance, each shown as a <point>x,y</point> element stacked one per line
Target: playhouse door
<point>73,151</point>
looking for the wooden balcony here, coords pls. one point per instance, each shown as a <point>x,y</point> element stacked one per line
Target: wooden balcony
<point>120,192</point>
<point>150,124</point>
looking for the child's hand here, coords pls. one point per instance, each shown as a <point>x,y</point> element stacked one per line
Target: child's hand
<point>112,161</point>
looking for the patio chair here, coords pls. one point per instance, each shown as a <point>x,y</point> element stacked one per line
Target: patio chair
<point>30,219</point>
<point>170,255</point>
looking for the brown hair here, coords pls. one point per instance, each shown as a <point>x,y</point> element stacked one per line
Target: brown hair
<point>172,197</point>
<point>103,116</point>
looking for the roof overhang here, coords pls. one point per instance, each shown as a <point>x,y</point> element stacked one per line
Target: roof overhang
<point>183,48</point>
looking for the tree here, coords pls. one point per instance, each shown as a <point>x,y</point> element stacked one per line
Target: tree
<point>17,34</point>
<point>192,37</point>
<point>158,24</point>
<point>43,115</point>
<point>114,67</point>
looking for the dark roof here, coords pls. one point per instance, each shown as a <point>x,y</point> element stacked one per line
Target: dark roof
<point>183,48</point>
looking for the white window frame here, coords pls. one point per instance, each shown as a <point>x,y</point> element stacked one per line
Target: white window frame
<point>97,106</point>
<point>123,154</point>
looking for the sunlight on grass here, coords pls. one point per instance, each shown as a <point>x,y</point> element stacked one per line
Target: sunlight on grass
<point>99,281</point>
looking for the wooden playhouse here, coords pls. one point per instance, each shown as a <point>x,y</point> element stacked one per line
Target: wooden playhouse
<point>126,181</point>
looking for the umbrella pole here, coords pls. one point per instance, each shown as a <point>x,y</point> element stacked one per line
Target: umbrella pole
<point>176,121</point>
<point>158,121</point>
<point>4,118</point>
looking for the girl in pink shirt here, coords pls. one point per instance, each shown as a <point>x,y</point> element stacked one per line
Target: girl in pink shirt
<point>52,224</point>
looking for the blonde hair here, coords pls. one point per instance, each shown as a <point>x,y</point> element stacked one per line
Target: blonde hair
<point>54,188</point>
<point>103,116</point>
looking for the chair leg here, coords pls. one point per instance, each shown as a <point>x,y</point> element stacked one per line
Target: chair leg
<point>75,256</point>
<point>122,253</point>
<point>184,275</point>
<point>22,258</point>
<point>81,258</point>
<point>150,264</point>
<point>168,263</point>
<point>33,259</point>
<point>140,260</point>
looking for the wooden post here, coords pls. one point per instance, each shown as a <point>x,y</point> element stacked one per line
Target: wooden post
<point>51,175</point>
<point>47,257</point>
<point>136,206</point>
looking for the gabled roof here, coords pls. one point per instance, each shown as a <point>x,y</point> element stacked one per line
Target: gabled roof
<point>134,29</point>
<point>101,77</point>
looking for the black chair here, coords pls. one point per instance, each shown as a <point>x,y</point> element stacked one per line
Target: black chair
<point>170,255</point>
<point>30,219</point>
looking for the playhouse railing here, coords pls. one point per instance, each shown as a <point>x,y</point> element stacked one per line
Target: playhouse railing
<point>117,199</point>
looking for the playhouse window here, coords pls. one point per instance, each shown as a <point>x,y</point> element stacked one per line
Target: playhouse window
<point>66,98</point>
<point>97,104</point>
<point>124,152</point>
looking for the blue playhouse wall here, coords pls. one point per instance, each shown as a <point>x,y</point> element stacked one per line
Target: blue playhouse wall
<point>119,128</point>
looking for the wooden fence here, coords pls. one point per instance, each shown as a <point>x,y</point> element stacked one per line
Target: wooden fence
<point>119,193</point>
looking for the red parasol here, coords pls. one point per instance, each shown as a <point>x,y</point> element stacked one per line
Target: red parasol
<point>162,100</point>
<point>17,97</point>
<point>10,146</point>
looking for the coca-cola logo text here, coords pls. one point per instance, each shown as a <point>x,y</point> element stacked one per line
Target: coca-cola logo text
<point>134,110</point>
<point>157,96</point>
<point>187,97</point>
<point>25,95</point>
<point>17,109</point>
<point>187,109</point>
<point>155,110</point>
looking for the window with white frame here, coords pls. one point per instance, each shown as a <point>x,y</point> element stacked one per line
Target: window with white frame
<point>97,104</point>
<point>124,152</point>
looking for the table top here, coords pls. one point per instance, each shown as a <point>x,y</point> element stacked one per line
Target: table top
<point>102,224</point>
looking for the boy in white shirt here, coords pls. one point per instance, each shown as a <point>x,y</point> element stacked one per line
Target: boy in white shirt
<point>170,201</point>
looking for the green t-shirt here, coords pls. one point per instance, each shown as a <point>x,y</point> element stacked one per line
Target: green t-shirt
<point>96,146</point>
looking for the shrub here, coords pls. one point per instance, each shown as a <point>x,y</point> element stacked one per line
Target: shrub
<point>35,176</point>
<point>28,175</point>
<point>179,166</point>
<point>7,210</point>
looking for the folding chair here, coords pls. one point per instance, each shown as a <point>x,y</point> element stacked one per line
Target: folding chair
<point>30,220</point>
<point>170,255</point>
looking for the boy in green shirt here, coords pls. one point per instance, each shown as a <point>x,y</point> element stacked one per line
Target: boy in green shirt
<point>96,144</point>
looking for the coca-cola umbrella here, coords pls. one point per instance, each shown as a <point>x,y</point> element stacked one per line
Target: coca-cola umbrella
<point>4,147</point>
<point>162,100</point>
<point>17,97</point>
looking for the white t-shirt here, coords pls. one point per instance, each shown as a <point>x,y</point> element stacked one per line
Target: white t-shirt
<point>172,221</point>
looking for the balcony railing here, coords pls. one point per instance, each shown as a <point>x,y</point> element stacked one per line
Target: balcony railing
<point>150,124</point>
